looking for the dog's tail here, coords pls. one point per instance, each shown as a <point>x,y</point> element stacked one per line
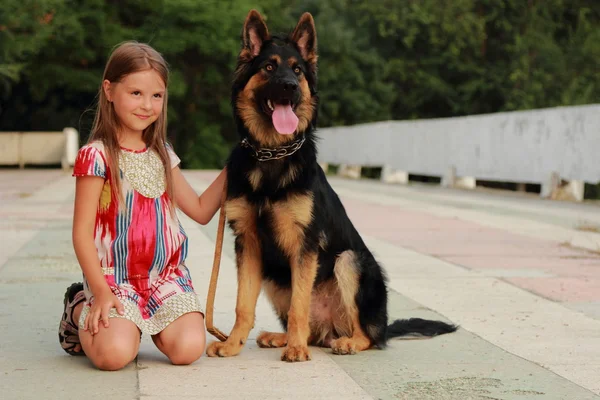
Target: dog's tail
<point>414,328</point>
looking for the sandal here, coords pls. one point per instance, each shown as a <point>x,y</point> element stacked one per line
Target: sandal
<point>68,332</point>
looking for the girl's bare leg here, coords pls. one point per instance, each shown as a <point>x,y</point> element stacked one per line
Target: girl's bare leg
<point>184,340</point>
<point>111,348</point>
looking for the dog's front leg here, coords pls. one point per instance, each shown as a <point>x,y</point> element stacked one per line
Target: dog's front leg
<point>304,271</point>
<point>249,285</point>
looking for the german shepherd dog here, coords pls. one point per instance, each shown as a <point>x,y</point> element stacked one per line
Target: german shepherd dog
<point>293,238</point>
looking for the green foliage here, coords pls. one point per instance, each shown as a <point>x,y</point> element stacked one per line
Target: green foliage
<point>24,27</point>
<point>378,60</point>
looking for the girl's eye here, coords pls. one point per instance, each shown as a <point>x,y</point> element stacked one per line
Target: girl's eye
<point>269,67</point>
<point>135,93</point>
<point>158,95</point>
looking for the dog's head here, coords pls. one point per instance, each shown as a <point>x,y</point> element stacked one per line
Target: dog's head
<point>274,90</point>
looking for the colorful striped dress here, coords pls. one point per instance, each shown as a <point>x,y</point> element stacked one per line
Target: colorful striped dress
<point>142,249</point>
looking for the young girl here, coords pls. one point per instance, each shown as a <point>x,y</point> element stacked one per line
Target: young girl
<point>126,234</point>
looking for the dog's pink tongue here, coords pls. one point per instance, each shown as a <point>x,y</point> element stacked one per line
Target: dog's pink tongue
<point>284,119</point>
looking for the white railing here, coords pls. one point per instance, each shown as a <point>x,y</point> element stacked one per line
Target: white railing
<point>544,146</point>
<point>39,148</point>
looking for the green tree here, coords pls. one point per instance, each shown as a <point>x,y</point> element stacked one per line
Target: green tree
<point>24,27</point>
<point>377,60</point>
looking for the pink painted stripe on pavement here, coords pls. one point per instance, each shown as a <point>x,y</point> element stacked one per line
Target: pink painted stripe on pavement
<point>575,274</point>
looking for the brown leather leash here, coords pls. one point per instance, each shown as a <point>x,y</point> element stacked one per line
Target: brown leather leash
<point>212,288</point>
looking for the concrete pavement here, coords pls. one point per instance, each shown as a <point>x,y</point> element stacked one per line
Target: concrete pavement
<point>520,275</point>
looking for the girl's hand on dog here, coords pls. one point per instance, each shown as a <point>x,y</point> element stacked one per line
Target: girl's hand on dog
<point>99,310</point>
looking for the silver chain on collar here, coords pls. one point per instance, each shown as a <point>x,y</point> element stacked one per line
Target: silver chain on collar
<point>264,154</point>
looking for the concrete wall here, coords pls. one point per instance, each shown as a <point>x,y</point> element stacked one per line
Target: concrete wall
<point>39,148</point>
<point>523,146</point>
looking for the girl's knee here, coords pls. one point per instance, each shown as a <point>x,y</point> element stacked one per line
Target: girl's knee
<point>181,358</point>
<point>114,363</point>
<point>187,350</point>
<point>112,356</point>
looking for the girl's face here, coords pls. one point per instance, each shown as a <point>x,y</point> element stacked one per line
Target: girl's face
<point>137,99</point>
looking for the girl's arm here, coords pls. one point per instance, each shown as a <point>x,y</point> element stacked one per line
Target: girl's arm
<point>200,209</point>
<point>87,195</point>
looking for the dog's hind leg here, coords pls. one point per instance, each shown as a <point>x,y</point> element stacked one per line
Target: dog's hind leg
<point>272,339</point>
<point>354,339</point>
<point>280,299</point>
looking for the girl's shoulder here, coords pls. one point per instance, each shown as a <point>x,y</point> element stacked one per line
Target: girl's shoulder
<point>95,148</point>
<point>91,160</point>
<point>95,145</point>
<point>175,160</point>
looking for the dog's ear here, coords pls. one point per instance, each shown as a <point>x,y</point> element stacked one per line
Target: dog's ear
<point>305,37</point>
<point>255,33</point>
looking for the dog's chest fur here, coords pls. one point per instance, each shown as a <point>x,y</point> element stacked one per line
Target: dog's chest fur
<point>282,222</point>
<point>269,177</point>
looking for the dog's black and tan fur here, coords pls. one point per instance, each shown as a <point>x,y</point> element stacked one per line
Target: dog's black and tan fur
<point>293,237</point>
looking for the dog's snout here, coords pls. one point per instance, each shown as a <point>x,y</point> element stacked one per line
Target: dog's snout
<point>287,84</point>
<point>290,86</point>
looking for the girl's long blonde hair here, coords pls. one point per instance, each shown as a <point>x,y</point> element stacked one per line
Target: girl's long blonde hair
<point>127,58</point>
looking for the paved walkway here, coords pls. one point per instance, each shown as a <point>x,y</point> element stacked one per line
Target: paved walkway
<point>520,275</point>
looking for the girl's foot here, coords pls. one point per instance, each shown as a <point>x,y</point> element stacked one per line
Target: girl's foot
<point>68,332</point>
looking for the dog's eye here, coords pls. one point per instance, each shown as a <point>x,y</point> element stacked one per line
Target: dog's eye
<point>269,67</point>
<point>297,70</point>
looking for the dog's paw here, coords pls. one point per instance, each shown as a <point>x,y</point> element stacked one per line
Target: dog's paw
<point>344,345</point>
<point>295,353</point>
<point>271,339</point>
<point>223,349</point>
